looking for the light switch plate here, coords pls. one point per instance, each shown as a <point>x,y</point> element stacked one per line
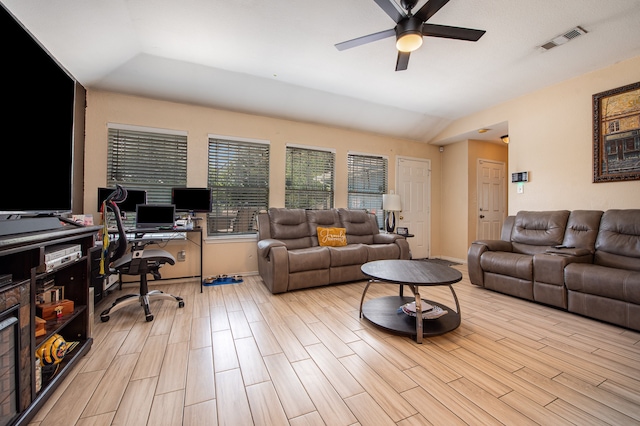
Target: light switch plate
<point>520,188</point>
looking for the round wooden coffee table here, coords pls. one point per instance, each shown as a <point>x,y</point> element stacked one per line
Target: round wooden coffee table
<point>386,312</point>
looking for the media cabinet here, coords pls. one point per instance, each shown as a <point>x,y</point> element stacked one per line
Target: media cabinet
<point>23,269</point>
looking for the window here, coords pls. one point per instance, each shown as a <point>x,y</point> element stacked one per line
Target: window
<point>239,180</point>
<point>155,162</point>
<point>368,176</point>
<point>309,178</point>
<point>147,160</point>
<point>614,126</point>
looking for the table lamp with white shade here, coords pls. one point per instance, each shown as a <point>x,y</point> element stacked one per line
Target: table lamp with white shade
<point>391,204</point>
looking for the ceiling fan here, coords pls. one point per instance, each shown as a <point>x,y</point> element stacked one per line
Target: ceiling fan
<point>411,27</point>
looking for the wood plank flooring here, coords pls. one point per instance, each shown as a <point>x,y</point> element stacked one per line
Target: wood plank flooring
<point>238,355</point>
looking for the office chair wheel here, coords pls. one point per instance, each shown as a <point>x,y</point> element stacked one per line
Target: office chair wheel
<point>181,304</point>
<point>149,318</point>
<point>104,318</point>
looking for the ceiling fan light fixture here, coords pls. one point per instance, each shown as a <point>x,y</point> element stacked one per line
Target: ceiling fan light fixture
<point>409,42</point>
<point>409,35</point>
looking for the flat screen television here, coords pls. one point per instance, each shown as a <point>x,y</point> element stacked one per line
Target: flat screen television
<point>37,127</point>
<point>191,199</point>
<point>134,197</point>
<point>156,216</point>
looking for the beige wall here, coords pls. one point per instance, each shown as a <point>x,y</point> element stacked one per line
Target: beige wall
<point>453,209</point>
<point>459,207</point>
<point>479,150</point>
<point>233,256</point>
<point>550,135</point>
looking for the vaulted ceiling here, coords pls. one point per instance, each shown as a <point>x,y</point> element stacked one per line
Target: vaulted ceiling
<point>278,57</point>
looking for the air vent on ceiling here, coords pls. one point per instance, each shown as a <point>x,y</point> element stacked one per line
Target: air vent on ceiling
<point>564,38</point>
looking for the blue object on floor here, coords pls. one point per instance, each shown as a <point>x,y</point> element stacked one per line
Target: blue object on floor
<point>222,280</point>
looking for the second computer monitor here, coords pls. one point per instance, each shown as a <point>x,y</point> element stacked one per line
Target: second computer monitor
<point>134,197</point>
<point>191,199</point>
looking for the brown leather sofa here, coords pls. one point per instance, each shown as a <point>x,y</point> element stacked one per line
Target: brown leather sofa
<point>291,258</point>
<point>583,261</point>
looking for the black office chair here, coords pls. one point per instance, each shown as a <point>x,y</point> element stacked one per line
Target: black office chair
<point>137,262</point>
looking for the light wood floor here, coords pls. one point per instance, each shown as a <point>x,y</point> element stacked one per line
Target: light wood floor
<point>238,355</point>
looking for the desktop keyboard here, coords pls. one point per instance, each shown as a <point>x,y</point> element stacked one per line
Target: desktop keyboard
<point>159,236</point>
<point>151,234</point>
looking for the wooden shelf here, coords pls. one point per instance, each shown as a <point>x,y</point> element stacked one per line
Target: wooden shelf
<point>22,256</point>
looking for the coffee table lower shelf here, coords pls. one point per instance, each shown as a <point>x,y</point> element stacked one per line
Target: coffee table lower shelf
<point>384,312</point>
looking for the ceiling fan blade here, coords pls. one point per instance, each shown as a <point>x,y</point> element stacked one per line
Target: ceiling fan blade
<point>391,10</point>
<point>429,9</point>
<point>365,39</point>
<point>445,31</point>
<point>403,61</point>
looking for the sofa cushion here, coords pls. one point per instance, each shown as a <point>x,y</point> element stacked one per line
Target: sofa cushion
<point>582,229</point>
<point>290,226</point>
<point>382,252</point>
<point>505,263</point>
<point>611,283</point>
<point>308,259</point>
<point>540,228</point>
<point>332,237</point>
<point>358,224</point>
<point>322,218</point>
<point>352,254</point>
<point>618,241</point>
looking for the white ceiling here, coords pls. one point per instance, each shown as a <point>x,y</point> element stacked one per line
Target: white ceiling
<point>277,57</point>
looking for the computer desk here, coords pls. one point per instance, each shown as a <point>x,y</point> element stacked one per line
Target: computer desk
<point>165,235</point>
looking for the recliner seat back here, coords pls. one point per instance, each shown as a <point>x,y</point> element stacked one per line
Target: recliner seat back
<point>323,218</point>
<point>618,241</point>
<point>359,225</point>
<point>582,229</point>
<point>535,231</point>
<point>290,226</point>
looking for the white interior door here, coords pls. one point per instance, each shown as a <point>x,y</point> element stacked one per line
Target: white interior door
<point>414,186</point>
<point>491,199</point>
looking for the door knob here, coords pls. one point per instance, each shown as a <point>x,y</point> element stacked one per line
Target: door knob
<point>481,216</point>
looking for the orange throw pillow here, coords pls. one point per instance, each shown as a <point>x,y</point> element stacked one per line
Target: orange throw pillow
<point>332,237</point>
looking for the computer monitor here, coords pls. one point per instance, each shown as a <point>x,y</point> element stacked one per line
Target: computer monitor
<point>159,216</point>
<point>191,199</point>
<point>134,197</point>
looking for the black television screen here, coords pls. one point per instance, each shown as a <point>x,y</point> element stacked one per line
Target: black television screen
<point>191,199</point>
<point>37,126</point>
<point>134,197</point>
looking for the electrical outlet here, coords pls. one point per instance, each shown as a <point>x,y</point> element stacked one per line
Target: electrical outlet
<point>182,256</point>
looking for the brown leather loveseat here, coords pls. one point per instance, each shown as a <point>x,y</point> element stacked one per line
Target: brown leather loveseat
<point>583,261</point>
<point>290,256</point>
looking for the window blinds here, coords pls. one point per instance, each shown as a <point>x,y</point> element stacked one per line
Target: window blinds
<point>154,162</point>
<point>239,180</point>
<point>309,178</point>
<point>367,181</point>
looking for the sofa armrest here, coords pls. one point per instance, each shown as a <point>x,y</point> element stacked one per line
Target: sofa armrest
<point>496,245</point>
<point>273,265</point>
<point>477,248</point>
<point>476,276</point>
<point>264,246</point>
<point>386,238</point>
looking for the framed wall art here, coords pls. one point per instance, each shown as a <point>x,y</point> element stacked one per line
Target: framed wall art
<point>616,134</point>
